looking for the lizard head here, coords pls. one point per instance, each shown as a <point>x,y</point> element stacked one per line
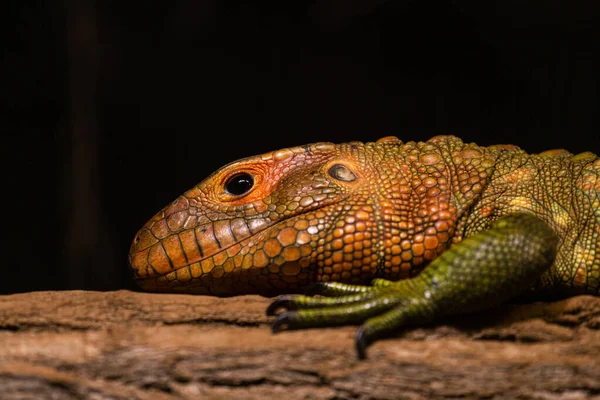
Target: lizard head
<point>348,212</point>
<point>264,224</point>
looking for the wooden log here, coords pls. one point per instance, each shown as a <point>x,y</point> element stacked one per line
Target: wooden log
<point>129,345</point>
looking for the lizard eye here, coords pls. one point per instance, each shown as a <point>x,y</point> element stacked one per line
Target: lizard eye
<point>239,184</point>
<point>342,173</point>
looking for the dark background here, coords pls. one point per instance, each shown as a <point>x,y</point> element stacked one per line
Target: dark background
<point>111,109</point>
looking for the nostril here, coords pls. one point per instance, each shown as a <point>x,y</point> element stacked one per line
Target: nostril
<point>143,240</point>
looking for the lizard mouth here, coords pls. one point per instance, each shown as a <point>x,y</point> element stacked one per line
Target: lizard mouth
<point>218,256</point>
<point>154,256</point>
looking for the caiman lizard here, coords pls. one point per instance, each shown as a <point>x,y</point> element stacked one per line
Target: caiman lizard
<point>387,233</point>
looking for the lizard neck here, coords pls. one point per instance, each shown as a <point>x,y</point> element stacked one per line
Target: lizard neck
<point>421,199</point>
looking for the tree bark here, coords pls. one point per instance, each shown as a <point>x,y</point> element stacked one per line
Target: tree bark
<point>128,345</point>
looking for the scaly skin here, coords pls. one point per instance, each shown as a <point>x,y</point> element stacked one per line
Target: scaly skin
<point>436,228</point>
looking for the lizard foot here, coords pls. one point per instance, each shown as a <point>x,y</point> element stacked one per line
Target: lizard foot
<point>380,311</point>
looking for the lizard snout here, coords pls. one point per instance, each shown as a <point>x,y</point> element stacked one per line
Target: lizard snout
<point>157,247</point>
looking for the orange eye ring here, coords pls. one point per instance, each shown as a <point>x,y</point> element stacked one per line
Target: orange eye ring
<point>240,185</point>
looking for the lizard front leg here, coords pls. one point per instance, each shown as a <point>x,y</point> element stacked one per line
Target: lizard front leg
<point>483,270</point>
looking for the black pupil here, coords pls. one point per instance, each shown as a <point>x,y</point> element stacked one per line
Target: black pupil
<point>239,184</point>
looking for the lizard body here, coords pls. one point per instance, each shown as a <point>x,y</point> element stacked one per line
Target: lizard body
<point>437,227</point>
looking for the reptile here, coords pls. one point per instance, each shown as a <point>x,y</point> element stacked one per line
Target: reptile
<point>381,234</point>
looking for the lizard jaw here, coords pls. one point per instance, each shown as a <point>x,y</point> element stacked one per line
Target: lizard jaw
<point>268,257</point>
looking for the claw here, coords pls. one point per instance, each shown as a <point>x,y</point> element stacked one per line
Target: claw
<point>283,322</point>
<point>362,342</point>
<point>285,302</point>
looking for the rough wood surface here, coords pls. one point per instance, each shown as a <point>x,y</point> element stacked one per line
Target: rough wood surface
<point>126,345</point>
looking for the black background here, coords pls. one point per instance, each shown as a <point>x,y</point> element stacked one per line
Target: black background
<point>111,109</point>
